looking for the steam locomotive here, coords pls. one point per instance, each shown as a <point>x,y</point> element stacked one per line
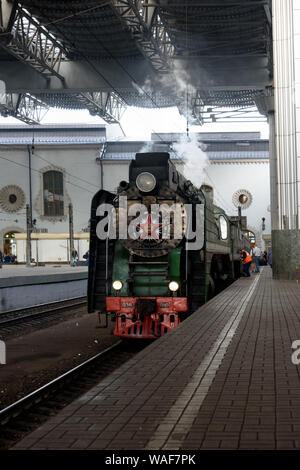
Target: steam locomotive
<point>159,249</point>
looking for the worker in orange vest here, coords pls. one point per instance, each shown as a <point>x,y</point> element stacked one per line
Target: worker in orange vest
<point>247,260</point>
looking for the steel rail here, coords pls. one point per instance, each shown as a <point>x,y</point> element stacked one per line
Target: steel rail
<point>35,397</point>
<point>31,315</point>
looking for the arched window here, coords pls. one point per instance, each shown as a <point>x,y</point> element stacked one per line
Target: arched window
<point>223,227</point>
<point>53,182</point>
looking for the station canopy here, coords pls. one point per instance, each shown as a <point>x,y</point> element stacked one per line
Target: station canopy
<point>201,56</point>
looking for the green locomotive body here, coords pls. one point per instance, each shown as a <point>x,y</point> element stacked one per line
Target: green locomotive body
<point>159,249</point>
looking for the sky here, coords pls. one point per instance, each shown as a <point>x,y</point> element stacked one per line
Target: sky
<point>139,123</point>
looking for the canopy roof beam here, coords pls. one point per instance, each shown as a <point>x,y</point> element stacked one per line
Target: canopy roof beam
<point>148,29</point>
<point>30,42</point>
<point>23,106</point>
<point>109,106</point>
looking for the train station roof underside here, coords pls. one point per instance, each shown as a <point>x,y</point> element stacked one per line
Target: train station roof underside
<point>106,55</point>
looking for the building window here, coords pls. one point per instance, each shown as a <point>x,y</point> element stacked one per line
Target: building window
<point>53,193</point>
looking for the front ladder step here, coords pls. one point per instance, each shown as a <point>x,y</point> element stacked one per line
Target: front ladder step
<point>149,263</point>
<point>148,273</point>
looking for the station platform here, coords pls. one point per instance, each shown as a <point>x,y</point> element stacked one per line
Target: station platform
<point>223,379</point>
<point>22,287</point>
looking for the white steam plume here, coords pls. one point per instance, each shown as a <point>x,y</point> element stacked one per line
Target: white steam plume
<point>195,159</point>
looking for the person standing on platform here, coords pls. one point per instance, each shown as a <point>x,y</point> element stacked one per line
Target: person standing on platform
<point>86,257</point>
<point>74,257</point>
<point>265,258</point>
<point>247,260</point>
<point>257,254</point>
<point>252,266</point>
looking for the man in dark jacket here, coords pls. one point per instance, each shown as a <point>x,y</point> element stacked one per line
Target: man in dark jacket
<point>247,260</point>
<point>86,257</point>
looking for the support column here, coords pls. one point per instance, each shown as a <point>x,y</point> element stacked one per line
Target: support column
<point>265,105</point>
<point>285,231</point>
<point>273,171</point>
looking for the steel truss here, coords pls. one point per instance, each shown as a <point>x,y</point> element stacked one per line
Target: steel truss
<point>197,108</point>
<point>192,108</point>
<point>24,107</point>
<point>154,41</point>
<point>148,29</point>
<point>32,44</point>
<point>109,106</point>
<point>241,114</point>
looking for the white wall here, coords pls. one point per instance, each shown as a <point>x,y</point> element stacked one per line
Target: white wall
<point>51,250</point>
<point>113,173</point>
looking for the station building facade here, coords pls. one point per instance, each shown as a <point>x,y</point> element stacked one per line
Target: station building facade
<point>50,167</point>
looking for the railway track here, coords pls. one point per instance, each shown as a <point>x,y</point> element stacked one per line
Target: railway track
<point>38,315</point>
<point>26,414</point>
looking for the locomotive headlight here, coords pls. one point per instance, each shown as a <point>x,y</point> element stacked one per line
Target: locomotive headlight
<point>117,285</point>
<point>146,182</point>
<point>173,286</point>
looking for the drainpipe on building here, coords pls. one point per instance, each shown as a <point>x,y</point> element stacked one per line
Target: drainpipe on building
<point>100,160</point>
<point>71,234</point>
<point>37,252</point>
<point>240,217</point>
<point>29,148</point>
<point>30,183</point>
<point>28,237</point>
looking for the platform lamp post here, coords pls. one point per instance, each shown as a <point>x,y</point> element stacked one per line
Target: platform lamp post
<point>240,217</point>
<point>71,233</point>
<point>28,237</point>
<point>34,229</point>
